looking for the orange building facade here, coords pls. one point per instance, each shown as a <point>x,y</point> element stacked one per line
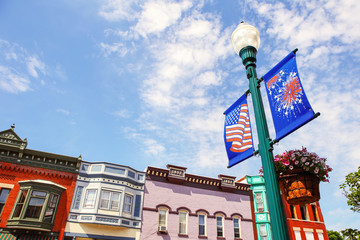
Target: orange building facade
<point>36,189</point>
<point>305,221</point>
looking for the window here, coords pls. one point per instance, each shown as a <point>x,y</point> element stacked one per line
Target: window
<point>90,198</point>
<point>162,220</point>
<point>128,203</point>
<point>219,226</point>
<point>237,233</point>
<point>110,200</point>
<point>297,235</point>
<point>96,168</point>
<point>303,212</point>
<point>183,222</point>
<point>320,236</point>
<point>259,202</point>
<point>202,224</point>
<point>4,192</point>
<point>36,205</point>
<point>313,208</point>
<point>119,171</point>
<point>51,208</point>
<point>131,174</point>
<point>20,203</point>
<point>140,177</point>
<point>309,236</point>
<point>85,167</point>
<point>292,211</point>
<point>77,197</point>
<point>263,232</point>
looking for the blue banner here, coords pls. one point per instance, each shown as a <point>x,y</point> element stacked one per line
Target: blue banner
<point>237,132</point>
<point>289,105</point>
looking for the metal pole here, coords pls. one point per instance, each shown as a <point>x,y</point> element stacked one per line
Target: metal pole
<point>277,218</point>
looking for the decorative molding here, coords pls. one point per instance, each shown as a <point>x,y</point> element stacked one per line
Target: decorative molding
<point>14,168</point>
<point>163,175</point>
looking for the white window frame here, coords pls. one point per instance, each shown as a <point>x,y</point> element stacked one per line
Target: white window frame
<point>309,235</point>
<point>162,223</point>
<point>205,220</point>
<point>183,222</point>
<point>109,200</point>
<point>128,206</point>
<point>259,202</point>
<point>320,235</point>
<point>238,219</point>
<point>297,234</point>
<point>263,235</point>
<point>222,225</point>
<point>90,203</point>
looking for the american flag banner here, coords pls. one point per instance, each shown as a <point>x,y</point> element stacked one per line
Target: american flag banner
<point>237,132</point>
<point>290,108</point>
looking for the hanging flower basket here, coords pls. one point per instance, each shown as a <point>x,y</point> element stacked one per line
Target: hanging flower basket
<point>299,174</point>
<point>299,187</point>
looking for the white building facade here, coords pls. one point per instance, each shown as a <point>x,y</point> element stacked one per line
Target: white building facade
<point>107,203</point>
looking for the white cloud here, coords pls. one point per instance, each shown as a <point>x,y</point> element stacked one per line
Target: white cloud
<point>34,65</point>
<point>116,10</point>
<point>153,147</point>
<point>114,48</point>
<point>12,81</point>
<point>63,111</point>
<point>24,66</point>
<point>157,15</point>
<point>122,113</point>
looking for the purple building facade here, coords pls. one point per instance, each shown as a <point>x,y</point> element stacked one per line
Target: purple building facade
<point>178,205</point>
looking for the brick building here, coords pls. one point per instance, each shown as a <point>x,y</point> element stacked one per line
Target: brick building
<point>36,189</point>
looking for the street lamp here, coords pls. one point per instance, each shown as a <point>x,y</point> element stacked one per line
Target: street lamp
<point>246,41</point>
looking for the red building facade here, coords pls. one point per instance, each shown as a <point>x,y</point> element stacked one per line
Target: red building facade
<point>305,221</point>
<point>36,190</point>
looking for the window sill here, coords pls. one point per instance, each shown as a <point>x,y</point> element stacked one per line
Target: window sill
<point>202,237</point>
<point>183,235</point>
<point>220,238</point>
<point>162,232</point>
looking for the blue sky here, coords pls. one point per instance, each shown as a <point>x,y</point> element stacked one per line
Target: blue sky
<point>146,84</point>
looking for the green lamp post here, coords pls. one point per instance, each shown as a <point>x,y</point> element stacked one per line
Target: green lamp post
<point>246,40</point>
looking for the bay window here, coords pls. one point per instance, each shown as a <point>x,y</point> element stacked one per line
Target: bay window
<point>110,200</point>
<point>36,205</point>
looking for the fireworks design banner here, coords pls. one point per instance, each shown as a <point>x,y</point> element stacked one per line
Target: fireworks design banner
<point>289,105</point>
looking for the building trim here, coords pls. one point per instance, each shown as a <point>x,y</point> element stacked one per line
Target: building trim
<point>162,175</point>
<point>68,234</point>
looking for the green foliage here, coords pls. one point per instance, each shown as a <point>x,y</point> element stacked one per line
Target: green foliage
<point>351,234</point>
<point>333,235</point>
<point>351,190</point>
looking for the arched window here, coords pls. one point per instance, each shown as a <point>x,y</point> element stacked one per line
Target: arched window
<point>162,224</point>
<point>237,227</point>
<point>220,225</point>
<point>183,220</point>
<point>202,223</point>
